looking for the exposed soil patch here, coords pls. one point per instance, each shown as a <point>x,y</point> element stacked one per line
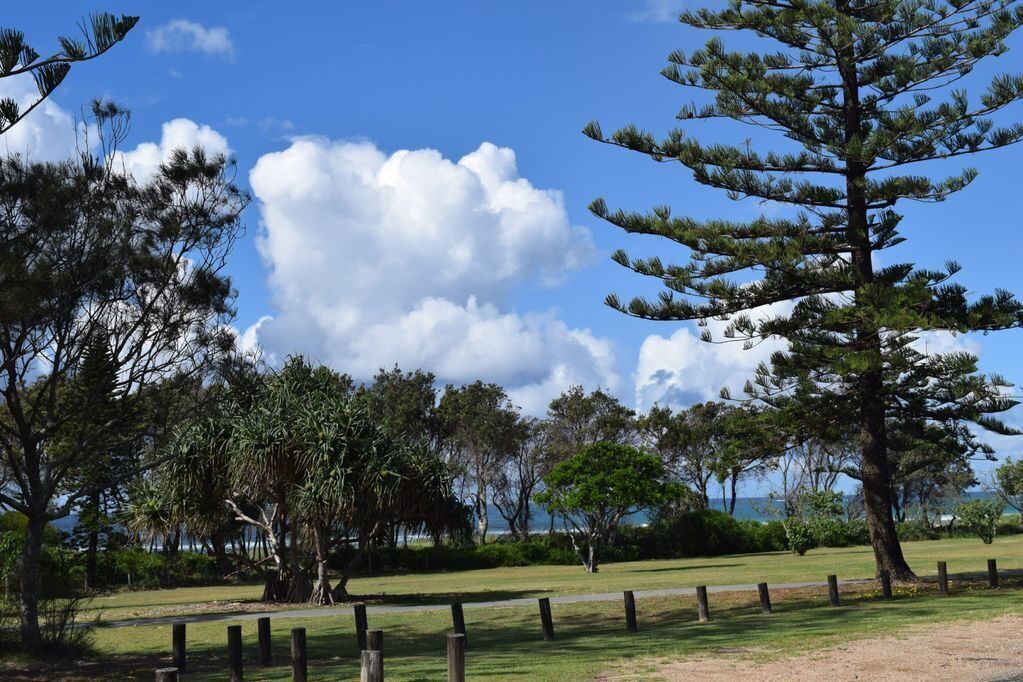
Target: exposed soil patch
<point>978,651</point>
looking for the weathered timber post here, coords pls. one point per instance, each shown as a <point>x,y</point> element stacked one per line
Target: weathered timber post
<point>234,652</point>
<point>943,578</point>
<point>458,621</point>
<point>265,653</point>
<point>456,657</point>
<point>178,645</point>
<point>630,612</point>
<point>375,640</point>
<point>361,625</point>
<point>166,675</point>
<point>546,620</point>
<point>765,598</point>
<point>833,590</point>
<point>992,573</point>
<point>372,666</point>
<point>701,603</point>
<point>299,658</point>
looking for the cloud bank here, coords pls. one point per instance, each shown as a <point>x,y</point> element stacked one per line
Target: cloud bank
<point>412,258</point>
<point>182,35</point>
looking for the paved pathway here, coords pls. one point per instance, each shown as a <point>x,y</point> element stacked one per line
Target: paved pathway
<point>346,611</point>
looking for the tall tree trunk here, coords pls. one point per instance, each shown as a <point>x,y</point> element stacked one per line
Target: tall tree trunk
<point>321,593</point>
<point>31,581</point>
<point>731,504</point>
<point>482,515</point>
<point>874,469</point>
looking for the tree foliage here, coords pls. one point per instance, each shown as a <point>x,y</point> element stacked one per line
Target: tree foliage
<point>598,487</point>
<point>861,92</point>
<point>17,57</point>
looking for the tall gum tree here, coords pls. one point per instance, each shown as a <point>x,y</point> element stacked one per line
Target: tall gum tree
<point>862,92</point>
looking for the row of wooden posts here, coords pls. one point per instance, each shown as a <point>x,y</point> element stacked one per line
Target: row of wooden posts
<point>371,642</point>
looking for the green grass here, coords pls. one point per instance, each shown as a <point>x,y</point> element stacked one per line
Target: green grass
<point>505,643</point>
<point>962,555</point>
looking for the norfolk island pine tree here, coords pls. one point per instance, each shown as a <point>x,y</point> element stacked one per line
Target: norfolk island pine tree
<point>862,88</point>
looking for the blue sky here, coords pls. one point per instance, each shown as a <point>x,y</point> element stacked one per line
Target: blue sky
<point>491,267</point>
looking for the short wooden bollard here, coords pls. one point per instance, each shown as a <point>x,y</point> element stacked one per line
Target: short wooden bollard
<point>546,620</point>
<point>833,590</point>
<point>361,625</point>
<point>701,603</point>
<point>166,675</point>
<point>372,667</point>
<point>178,645</point>
<point>375,640</point>
<point>886,583</point>
<point>943,578</point>
<point>456,657</point>
<point>992,573</point>
<point>265,653</point>
<point>458,621</point>
<point>234,652</point>
<point>630,612</point>
<point>765,598</point>
<point>299,660</point>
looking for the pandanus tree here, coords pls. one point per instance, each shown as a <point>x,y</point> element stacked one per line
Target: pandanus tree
<point>860,90</point>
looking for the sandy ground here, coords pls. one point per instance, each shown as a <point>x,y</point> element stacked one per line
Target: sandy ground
<point>986,650</point>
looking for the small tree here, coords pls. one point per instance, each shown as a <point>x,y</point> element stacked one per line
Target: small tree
<point>598,487</point>
<point>980,517</point>
<point>1009,484</point>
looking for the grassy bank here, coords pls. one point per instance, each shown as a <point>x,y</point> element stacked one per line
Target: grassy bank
<point>962,555</point>
<point>506,643</point>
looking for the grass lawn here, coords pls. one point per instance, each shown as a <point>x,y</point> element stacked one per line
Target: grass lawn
<point>506,644</point>
<point>962,555</point>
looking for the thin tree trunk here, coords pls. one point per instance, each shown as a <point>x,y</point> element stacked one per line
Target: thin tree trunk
<point>31,635</point>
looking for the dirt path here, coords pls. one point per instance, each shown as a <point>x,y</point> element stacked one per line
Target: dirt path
<point>984,650</point>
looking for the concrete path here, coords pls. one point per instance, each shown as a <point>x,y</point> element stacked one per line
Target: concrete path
<point>346,611</point>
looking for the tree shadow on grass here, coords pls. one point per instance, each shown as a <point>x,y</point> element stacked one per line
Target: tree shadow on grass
<point>507,642</point>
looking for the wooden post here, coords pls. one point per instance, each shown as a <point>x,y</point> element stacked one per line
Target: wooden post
<point>458,621</point>
<point>546,620</point>
<point>299,665</point>
<point>372,667</point>
<point>765,598</point>
<point>361,625</point>
<point>701,602</point>
<point>178,646</point>
<point>166,675</point>
<point>630,612</point>
<point>456,657</point>
<point>886,583</point>
<point>375,640</point>
<point>943,578</point>
<point>833,590</point>
<point>234,652</point>
<point>265,653</point>
<point>992,573</point>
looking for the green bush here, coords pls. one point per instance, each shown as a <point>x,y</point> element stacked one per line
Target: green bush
<point>800,536</point>
<point>980,517</point>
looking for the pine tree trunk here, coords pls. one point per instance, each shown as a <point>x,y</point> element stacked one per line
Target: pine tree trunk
<point>31,635</point>
<point>874,470</point>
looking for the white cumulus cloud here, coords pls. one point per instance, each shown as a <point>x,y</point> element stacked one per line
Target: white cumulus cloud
<point>179,35</point>
<point>681,369</point>
<point>180,133</point>
<point>411,258</point>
